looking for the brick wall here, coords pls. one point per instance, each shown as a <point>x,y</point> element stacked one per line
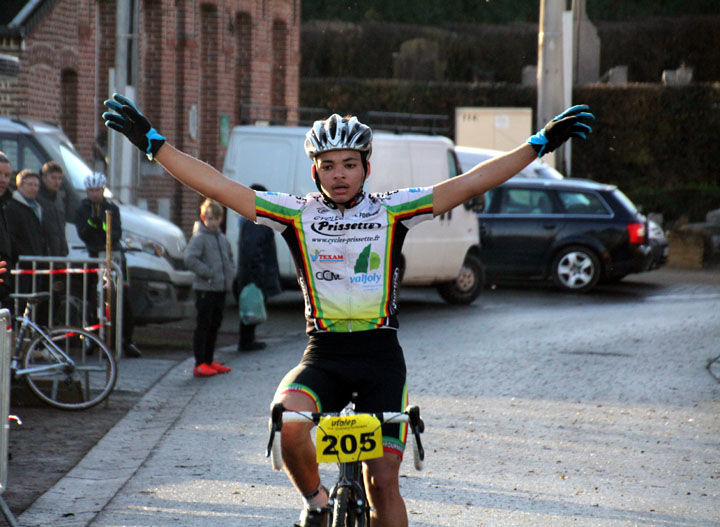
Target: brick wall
<point>209,57</point>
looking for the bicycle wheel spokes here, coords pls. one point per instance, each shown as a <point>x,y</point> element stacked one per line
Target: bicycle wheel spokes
<point>76,373</point>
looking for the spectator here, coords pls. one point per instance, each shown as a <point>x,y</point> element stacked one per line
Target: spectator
<point>208,256</point>
<point>23,214</point>
<point>52,200</point>
<point>5,175</point>
<point>6,253</point>
<point>91,227</point>
<point>257,262</point>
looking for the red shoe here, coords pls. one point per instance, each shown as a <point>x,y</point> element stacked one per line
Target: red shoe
<point>220,368</point>
<point>204,370</point>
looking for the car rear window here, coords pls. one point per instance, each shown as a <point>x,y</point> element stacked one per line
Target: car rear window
<point>622,198</point>
<point>585,203</point>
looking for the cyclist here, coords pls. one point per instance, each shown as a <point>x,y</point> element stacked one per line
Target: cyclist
<point>351,311</point>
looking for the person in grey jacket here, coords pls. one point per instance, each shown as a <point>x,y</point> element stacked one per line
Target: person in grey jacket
<point>208,256</point>
<point>52,200</point>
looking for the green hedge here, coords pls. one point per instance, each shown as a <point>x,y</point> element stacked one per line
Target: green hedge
<point>490,11</point>
<point>499,52</point>
<point>658,144</point>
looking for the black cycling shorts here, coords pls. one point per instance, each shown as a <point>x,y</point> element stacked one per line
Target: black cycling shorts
<point>370,363</point>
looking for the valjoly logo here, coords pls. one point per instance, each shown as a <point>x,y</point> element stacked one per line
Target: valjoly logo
<point>367,261</point>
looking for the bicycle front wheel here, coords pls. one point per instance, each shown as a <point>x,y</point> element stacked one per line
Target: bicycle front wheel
<point>346,510</point>
<point>341,512</point>
<point>82,380</point>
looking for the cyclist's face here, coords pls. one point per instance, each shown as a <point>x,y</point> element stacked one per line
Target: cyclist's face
<point>95,195</point>
<point>341,174</point>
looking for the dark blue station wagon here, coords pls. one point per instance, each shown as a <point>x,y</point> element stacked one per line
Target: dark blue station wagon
<point>574,232</point>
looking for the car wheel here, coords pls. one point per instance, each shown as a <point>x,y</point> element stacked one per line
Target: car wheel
<point>468,285</point>
<point>576,269</point>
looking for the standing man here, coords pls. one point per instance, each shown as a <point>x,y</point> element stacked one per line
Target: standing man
<point>52,200</point>
<point>6,254</point>
<point>92,228</point>
<point>23,214</point>
<point>257,263</point>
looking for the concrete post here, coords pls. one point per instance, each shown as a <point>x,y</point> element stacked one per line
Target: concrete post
<point>550,63</point>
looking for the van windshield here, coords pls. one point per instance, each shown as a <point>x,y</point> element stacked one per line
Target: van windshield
<point>77,169</point>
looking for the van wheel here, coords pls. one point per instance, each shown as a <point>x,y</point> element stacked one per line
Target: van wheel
<point>576,269</point>
<point>468,285</point>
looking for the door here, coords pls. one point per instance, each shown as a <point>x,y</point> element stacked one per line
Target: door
<point>517,231</point>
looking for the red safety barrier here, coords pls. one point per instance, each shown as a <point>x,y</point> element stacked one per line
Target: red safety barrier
<point>56,271</point>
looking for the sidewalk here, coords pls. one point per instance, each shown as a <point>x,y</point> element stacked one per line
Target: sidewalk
<point>78,497</point>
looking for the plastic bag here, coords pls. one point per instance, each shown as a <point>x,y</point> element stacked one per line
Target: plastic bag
<point>252,306</point>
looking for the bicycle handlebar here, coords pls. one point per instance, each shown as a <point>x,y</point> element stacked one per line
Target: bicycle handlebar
<point>411,415</point>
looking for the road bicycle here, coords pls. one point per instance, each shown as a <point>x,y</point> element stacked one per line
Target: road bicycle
<point>347,438</point>
<point>66,367</point>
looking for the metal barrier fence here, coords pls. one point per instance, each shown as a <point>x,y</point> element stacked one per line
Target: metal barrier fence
<point>5,353</point>
<point>74,294</point>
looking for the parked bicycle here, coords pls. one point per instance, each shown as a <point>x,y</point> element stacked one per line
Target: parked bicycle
<point>66,367</point>
<point>347,438</point>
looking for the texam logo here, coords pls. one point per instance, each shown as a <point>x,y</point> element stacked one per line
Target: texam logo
<point>317,256</point>
<point>336,229</point>
<point>367,261</point>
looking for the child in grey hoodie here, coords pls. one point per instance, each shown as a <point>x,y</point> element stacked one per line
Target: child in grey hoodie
<point>208,256</point>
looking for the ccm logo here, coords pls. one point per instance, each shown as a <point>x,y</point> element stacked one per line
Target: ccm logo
<point>327,275</point>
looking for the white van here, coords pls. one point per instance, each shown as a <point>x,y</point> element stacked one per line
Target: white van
<point>442,252</point>
<point>161,287</point>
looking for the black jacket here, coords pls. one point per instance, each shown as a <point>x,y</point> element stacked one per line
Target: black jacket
<point>6,252</point>
<point>26,232</point>
<point>53,220</point>
<point>90,223</point>
<point>257,258</point>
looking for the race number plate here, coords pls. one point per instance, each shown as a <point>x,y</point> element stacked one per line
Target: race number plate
<point>348,438</point>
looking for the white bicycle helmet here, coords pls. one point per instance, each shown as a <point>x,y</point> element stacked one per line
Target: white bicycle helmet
<point>95,180</point>
<point>338,133</point>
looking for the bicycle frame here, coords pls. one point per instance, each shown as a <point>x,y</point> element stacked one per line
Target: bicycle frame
<point>26,322</point>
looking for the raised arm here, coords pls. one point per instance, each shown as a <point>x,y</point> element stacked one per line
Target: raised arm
<point>201,177</point>
<point>493,172</point>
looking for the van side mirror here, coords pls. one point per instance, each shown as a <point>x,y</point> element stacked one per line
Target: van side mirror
<point>476,204</point>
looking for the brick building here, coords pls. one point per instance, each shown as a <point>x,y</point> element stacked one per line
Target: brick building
<point>203,66</point>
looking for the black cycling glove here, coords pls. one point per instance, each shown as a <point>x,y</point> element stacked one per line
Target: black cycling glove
<point>561,128</point>
<point>134,125</point>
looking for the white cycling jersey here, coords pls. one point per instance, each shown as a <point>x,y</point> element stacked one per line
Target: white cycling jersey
<point>348,264</point>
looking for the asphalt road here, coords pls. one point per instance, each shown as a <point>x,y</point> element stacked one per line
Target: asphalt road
<point>541,409</point>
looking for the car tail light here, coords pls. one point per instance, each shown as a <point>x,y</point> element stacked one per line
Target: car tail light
<point>636,231</point>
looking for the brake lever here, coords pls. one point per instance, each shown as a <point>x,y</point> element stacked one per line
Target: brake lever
<point>275,424</point>
<point>417,426</point>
